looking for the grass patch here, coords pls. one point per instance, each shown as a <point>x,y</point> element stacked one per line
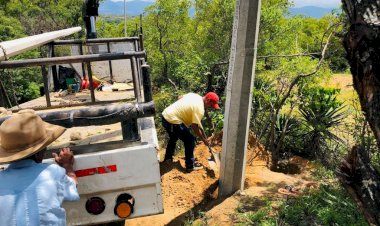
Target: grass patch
<point>255,211</point>
<point>327,205</point>
<point>345,84</point>
<point>196,219</point>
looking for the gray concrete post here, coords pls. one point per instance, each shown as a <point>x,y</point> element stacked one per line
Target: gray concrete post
<point>239,95</point>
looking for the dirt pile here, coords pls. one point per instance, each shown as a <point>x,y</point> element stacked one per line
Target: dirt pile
<point>181,191</point>
<point>185,194</point>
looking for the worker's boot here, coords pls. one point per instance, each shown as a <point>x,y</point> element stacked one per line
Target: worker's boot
<point>171,160</point>
<point>196,166</point>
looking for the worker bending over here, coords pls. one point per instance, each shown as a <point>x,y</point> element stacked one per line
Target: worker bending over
<point>187,112</point>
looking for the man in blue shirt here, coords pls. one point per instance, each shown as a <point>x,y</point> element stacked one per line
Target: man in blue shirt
<point>31,193</point>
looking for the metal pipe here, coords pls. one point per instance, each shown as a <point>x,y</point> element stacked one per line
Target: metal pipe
<point>14,47</point>
<point>74,104</point>
<point>130,130</point>
<point>93,27</point>
<point>110,62</point>
<point>98,40</point>
<point>54,69</point>
<point>103,115</point>
<point>147,85</point>
<point>70,59</point>
<point>135,78</point>
<point>82,64</point>
<point>141,42</point>
<point>138,65</point>
<point>46,85</point>
<point>89,72</point>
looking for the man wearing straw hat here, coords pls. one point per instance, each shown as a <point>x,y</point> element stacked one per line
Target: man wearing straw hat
<point>31,193</point>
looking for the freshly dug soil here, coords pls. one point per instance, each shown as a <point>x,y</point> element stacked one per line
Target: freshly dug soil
<point>182,191</point>
<point>185,195</point>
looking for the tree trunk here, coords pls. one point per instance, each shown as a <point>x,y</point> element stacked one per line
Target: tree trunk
<point>362,44</point>
<point>362,182</point>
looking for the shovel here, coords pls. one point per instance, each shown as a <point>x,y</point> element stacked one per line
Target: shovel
<point>214,160</point>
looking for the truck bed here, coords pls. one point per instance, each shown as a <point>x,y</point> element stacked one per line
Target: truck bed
<point>83,97</point>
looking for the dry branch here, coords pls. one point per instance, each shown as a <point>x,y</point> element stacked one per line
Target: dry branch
<point>281,102</point>
<point>300,76</point>
<point>291,55</point>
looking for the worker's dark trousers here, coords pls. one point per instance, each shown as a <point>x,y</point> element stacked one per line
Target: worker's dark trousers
<point>179,131</point>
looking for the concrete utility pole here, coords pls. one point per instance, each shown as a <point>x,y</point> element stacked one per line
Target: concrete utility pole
<point>239,95</point>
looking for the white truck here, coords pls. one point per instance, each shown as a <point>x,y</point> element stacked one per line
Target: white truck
<point>117,179</point>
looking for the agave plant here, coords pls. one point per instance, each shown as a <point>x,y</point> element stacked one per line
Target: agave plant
<point>287,130</point>
<point>321,113</point>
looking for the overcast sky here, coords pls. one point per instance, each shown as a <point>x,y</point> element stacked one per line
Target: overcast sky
<point>297,3</point>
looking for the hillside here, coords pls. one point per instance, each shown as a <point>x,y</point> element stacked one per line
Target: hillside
<point>311,11</point>
<point>133,8</point>
<point>136,7</point>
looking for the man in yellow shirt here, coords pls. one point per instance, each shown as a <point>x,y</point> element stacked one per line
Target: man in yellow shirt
<point>187,112</point>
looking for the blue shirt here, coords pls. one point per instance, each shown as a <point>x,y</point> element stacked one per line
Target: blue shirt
<point>32,194</point>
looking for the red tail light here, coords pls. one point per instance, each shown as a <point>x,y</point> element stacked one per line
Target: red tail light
<point>95,205</point>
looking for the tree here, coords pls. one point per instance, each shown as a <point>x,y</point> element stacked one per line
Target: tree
<point>38,16</point>
<point>361,43</point>
<point>10,28</point>
<point>167,35</point>
<point>213,23</point>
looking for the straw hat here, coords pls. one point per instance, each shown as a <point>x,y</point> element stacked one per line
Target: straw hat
<point>25,134</point>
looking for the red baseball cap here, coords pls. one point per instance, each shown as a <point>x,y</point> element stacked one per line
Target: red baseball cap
<point>213,98</point>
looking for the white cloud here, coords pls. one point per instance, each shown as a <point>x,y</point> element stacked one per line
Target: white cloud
<point>320,3</point>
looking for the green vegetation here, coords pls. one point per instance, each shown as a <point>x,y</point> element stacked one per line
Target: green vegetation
<point>294,111</point>
<point>321,111</point>
<point>327,205</point>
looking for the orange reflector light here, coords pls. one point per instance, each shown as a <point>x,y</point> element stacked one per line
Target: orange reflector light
<point>123,209</point>
<point>124,205</point>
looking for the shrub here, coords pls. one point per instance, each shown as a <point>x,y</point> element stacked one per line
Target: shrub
<point>321,112</point>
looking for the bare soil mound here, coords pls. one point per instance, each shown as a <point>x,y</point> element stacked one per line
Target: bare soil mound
<point>181,191</point>
<point>186,194</point>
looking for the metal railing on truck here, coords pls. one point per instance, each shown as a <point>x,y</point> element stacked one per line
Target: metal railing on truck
<point>113,173</point>
<point>126,113</point>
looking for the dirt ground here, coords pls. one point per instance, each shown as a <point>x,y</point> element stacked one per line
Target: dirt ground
<point>186,194</point>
